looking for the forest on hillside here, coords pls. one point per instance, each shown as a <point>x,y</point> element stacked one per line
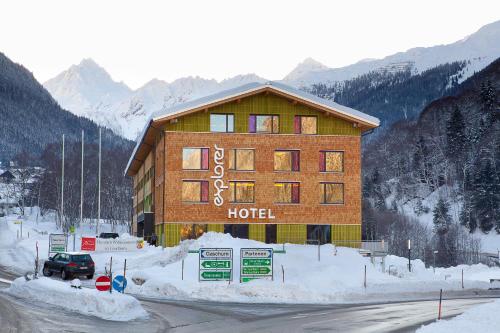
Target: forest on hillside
<point>443,143</point>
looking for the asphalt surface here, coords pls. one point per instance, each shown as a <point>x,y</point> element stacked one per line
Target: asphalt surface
<point>21,315</point>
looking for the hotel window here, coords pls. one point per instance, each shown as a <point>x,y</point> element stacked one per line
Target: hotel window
<point>264,124</point>
<point>331,161</point>
<point>306,125</point>
<point>242,159</point>
<point>286,192</point>
<point>331,193</point>
<point>195,158</point>
<point>287,160</point>
<point>242,192</point>
<point>194,191</point>
<point>221,122</point>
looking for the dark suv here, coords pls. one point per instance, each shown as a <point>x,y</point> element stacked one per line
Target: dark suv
<point>108,235</point>
<point>70,264</point>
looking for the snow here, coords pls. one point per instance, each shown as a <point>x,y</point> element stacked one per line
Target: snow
<point>88,90</point>
<point>480,48</point>
<point>490,243</point>
<point>482,318</point>
<point>337,278</point>
<point>115,306</point>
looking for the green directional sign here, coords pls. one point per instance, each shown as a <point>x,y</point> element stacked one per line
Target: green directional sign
<point>256,262</point>
<point>247,279</point>
<point>216,264</point>
<point>216,275</point>
<point>256,270</point>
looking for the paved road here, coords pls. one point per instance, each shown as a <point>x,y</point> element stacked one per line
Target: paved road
<point>19,315</point>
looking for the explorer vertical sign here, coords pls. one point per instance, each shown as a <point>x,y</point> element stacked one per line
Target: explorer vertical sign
<point>256,264</point>
<point>216,264</point>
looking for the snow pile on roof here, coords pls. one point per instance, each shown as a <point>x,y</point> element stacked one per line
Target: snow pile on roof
<point>116,306</point>
<point>483,318</point>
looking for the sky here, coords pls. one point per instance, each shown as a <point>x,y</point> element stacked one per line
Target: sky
<point>136,41</point>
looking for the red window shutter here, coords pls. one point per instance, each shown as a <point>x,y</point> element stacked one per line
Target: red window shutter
<point>295,160</point>
<point>295,192</point>
<point>252,124</point>
<point>322,161</point>
<point>204,158</point>
<point>204,191</point>
<point>296,124</point>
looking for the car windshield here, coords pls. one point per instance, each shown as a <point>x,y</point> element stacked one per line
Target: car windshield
<point>81,257</point>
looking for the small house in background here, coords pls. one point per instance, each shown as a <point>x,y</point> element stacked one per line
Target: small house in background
<point>7,177</point>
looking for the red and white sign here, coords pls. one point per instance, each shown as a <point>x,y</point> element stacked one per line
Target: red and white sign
<point>103,283</point>
<point>88,243</point>
<point>112,245</point>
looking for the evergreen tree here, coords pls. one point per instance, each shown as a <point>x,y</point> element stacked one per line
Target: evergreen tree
<point>455,135</point>
<point>441,217</point>
<point>378,195</point>
<point>488,101</point>
<point>467,215</point>
<point>421,163</point>
<point>486,197</point>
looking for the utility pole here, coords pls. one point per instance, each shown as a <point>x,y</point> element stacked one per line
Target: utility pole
<point>62,184</point>
<point>99,189</point>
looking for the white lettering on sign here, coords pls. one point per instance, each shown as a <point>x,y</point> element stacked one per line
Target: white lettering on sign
<point>253,213</point>
<point>218,175</point>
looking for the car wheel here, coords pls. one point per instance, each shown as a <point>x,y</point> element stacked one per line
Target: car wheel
<point>90,277</point>
<point>46,271</point>
<point>64,275</point>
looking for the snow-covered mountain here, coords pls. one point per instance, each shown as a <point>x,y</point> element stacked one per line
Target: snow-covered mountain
<point>480,48</point>
<point>88,90</point>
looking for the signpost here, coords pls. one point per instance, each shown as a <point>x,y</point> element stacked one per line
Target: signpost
<point>103,283</point>
<point>256,264</point>
<point>119,283</point>
<point>57,243</point>
<point>215,264</point>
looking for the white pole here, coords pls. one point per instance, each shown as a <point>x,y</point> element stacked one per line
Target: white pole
<point>81,187</point>
<point>99,189</point>
<point>62,183</point>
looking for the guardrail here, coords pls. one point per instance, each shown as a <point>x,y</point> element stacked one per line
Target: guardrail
<point>372,246</point>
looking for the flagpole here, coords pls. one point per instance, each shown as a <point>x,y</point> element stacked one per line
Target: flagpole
<point>81,187</point>
<point>99,189</point>
<point>62,183</point>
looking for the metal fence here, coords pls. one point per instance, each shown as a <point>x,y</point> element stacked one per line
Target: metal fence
<point>372,246</point>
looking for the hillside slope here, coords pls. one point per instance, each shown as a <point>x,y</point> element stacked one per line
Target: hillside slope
<point>31,119</point>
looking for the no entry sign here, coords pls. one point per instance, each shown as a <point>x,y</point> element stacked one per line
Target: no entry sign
<point>103,283</point>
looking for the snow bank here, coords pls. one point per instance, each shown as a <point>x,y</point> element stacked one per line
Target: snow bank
<point>337,278</point>
<point>483,318</point>
<point>104,305</point>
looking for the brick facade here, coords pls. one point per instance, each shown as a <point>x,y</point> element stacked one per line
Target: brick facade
<point>171,209</point>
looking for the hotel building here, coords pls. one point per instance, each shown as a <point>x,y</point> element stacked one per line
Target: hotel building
<point>263,161</point>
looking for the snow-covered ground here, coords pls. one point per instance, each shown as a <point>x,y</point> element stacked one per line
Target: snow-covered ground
<point>338,277</point>
<point>482,318</point>
<point>115,306</point>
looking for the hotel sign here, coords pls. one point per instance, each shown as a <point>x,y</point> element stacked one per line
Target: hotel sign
<point>219,186</point>
<point>218,176</point>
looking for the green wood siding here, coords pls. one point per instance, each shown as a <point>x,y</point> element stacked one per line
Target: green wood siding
<point>264,104</point>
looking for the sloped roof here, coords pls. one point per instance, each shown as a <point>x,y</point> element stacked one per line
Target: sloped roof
<point>246,90</point>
